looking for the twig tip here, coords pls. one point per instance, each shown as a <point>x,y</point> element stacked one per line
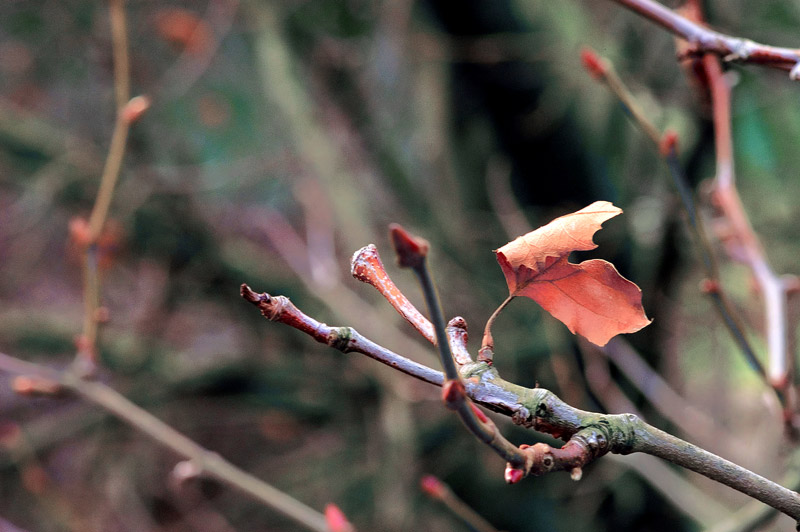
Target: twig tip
<point>593,63</point>
<point>411,250</point>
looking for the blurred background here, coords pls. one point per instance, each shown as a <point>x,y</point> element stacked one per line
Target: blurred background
<point>282,137</point>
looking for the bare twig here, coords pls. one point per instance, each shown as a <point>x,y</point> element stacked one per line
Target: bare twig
<point>705,40</point>
<point>744,244</point>
<point>438,490</point>
<point>367,267</point>
<point>206,461</point>
<point>127,111</point>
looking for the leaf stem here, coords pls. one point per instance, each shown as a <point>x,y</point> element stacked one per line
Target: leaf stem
<point>486,352</point>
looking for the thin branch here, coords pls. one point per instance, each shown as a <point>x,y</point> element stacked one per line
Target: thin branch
<point>345,339</point>
<point>705,40</point>
<point>127,111</point>
<point>438,490</point>
<point>206,461</point>
<point>744,244</point>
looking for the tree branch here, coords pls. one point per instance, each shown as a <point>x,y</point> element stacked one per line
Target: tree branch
<point>705,40</point>
<point>589,435</point>
<point>205,461</point>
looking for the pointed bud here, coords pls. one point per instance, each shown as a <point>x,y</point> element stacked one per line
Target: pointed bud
<point>593,63</point>
<point>432,487</point>
<point>669,143</point>
<point>135,108</point>
<point>336,520</point>
<point>411,250</point>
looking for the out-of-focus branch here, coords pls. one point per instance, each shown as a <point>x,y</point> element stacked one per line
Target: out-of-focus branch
<point>439,491</point>
<point>206,462</point>
<point>742,243</point>
<point>705,40</point>
<point>87,234</point>
<point>603,70</point>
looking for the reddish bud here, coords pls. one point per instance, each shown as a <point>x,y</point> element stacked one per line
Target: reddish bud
<point>30,386</point>
<point>512,475</point>
<point>185,470</point>
<point>79,233</point>
<point>336,520</point>
<point>432,487</point>
<point>669,143</point>
<point>135,108</point>
<point>411,250</point>
<point>184,29</point>
<point>593,63</point>
<point>453,394</point>
<point>709,286</point>
<point>479,413</point>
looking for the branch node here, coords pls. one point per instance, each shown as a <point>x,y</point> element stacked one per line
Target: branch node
<point>339,338</point>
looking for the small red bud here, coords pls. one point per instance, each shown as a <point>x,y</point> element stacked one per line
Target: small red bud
<point>31,386</point>
<point>432,486</point>
<point>411,250</point>
<point>513,475</point>
<point>593,63</point>
<point>135,108</point>
<point>669,143</point>
<point>79,233</point>
<point>709,286</point>
<point>336,520</point>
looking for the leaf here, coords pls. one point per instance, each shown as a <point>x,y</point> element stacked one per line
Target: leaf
<point>591,298</point>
